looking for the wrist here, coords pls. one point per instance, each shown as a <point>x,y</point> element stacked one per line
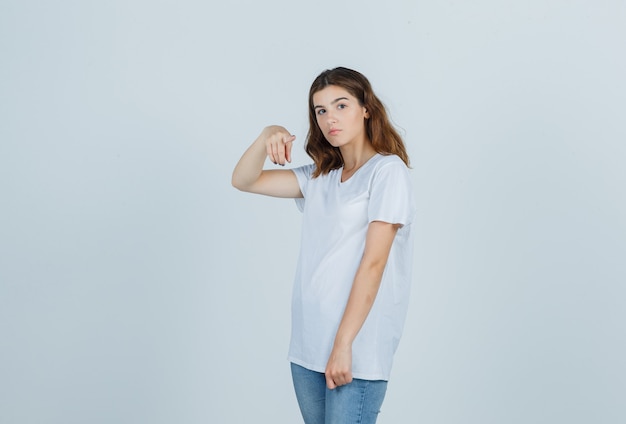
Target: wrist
<point>342,343</point>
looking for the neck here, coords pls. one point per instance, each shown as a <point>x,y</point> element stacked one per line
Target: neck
<point>355,156</point>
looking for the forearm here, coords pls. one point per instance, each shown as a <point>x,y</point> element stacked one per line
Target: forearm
<point>362,295</point>
<point>249,168</point>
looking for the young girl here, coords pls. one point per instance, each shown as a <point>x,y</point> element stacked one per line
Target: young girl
<point>352,281</point>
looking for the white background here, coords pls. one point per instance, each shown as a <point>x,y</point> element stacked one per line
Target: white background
<point>137,286</point>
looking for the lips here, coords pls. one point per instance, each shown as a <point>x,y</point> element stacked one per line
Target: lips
<point>334,131</point>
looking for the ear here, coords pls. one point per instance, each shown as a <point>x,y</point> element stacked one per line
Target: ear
<point>366,114</point>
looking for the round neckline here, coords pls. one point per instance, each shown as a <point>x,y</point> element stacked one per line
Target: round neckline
<point>357,170</point>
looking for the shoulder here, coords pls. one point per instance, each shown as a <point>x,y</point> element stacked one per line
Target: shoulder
<point>389,170</point>
<point>389,163</point>
<point>304,172</point>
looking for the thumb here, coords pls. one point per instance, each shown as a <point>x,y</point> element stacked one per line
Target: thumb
<point>330,383</point>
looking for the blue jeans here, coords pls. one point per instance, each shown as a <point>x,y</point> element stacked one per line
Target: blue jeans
<point>356,403</point>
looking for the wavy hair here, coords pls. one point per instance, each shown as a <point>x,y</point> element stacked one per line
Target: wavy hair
<point>383,136</point>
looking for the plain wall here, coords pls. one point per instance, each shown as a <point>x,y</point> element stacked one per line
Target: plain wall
<point>137,286</point>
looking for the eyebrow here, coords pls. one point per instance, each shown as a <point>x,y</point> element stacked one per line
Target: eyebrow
<point>333,102</point>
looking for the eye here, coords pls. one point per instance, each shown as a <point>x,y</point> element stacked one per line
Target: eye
<point>341,106</point>
<point>321,111</point>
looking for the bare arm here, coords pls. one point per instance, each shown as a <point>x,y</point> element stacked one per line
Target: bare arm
<point>378,243</point>
<point>274,142</point>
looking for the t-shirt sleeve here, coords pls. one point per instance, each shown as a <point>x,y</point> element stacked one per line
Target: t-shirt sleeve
<point>303,174</point>
<point>391,195</point>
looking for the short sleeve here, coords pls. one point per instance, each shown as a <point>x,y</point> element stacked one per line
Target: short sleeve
<point>303,174</point>
<point>391,194</point>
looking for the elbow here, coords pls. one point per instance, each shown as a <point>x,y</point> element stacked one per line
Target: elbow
<point>240,187</point>
<point>375,268</point>
<point>243,182</point>
<point>237,183</point>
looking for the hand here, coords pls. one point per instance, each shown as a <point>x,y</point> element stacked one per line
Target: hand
<point>278,142</point>
<point>339,367</point>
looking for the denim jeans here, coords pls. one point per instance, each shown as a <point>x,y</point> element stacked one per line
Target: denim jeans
<point>356,403</point>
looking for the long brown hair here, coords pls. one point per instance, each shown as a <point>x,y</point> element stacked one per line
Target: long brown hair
<point>384,137</point>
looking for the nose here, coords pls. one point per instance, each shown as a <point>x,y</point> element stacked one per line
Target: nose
<point>330,118</point>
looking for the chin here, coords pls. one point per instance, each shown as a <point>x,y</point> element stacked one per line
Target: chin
<point>337,142</point>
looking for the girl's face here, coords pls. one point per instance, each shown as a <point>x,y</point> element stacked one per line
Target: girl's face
<point>340,116</point>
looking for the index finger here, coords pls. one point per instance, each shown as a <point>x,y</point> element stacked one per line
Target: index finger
<point>288,144</point>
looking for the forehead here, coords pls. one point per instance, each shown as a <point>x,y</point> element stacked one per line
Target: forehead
<point>329,94</point>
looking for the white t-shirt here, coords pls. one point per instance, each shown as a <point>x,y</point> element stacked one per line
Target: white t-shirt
<point>336,216</point>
